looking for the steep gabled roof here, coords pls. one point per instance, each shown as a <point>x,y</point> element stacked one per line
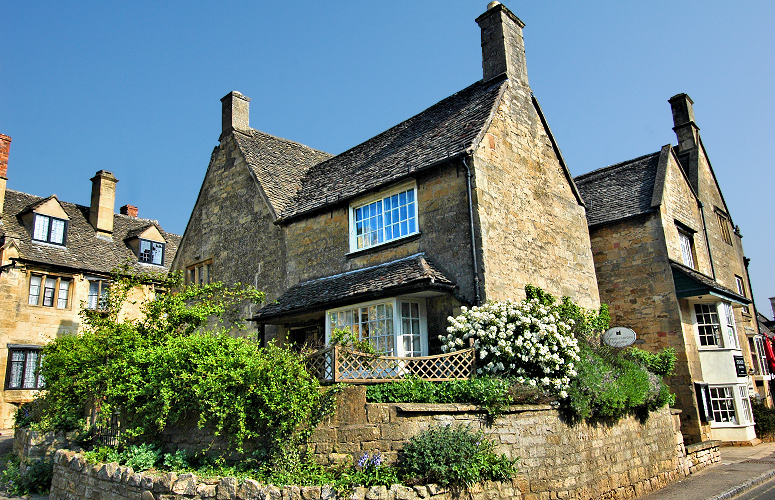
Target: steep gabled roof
<point>443,131</point>
<point>83,250</point>
<point>619,191</point>
<point>372,283</point>
<point>278,164</point>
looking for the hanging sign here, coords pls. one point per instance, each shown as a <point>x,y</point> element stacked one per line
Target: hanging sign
<point>619,336</point>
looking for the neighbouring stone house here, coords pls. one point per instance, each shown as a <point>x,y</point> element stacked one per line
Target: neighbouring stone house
<point>669,263</point>
<point>55,258</point>
<point>467,201</point>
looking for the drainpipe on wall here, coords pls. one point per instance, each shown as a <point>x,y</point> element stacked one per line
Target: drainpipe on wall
<point>707,241</point>
<point>469,176</point>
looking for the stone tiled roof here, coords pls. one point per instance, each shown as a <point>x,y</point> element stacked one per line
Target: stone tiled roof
<point>619,191</point>
<point>701,284</point>
<point>445,130</point>
<point>83,250</point>
<point>399,276</point>
<point>278,164</point>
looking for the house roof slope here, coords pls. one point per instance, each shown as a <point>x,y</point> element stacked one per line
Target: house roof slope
<point>278,164</point>
<point>690,283</point>
<point>445,130</point>
<point>83,250</point>
<point>371,283</point>
<point>619,191</point>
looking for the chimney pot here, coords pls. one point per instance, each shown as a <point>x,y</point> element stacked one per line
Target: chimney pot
<point>235,112</point>
<point>503,47</point>
<point>103,202</point>
<point>129,210</point>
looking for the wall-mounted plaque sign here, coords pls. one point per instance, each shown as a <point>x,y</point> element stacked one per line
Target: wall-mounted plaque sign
<point>619,336</point>
<point>742,371</point>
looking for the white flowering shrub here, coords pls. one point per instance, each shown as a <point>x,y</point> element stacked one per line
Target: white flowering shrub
<point>526,340</point>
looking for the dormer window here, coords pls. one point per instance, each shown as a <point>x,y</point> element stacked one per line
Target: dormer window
<point>151,252</point>
<point>49,229</point>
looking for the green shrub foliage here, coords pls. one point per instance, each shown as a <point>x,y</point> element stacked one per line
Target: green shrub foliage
<point>454,456</point>
<point>764,418</point>
<point>178,361</point>
<point>36,478</point>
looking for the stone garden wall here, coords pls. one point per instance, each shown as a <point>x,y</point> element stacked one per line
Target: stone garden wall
<point>607,460</point>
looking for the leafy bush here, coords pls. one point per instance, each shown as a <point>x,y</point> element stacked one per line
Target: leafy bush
<point>36,478</point>
<point>454,456</point>
<point>764,418</point>
<point>660,363</point>
<point>609,386</point>
<point>180,460</point>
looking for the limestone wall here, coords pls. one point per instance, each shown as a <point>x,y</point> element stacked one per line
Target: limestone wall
<point>75,479</point>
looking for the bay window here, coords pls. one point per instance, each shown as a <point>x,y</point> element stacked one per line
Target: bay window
<point>716,325</point>
<point>395,327</point>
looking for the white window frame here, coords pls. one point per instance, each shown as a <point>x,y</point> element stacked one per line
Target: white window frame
<point>37,228</point>
<point>725,329</point>
<point>412,214</point>
<point>723,404</point>
<point>687,249</point>
<point>398,334</point>
<point>761,355</point>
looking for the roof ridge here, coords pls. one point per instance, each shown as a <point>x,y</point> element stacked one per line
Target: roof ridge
<point>283,139</point>
<point>615,165</point>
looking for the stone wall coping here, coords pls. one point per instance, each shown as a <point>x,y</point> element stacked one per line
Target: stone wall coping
<point>705,445</point>
<point>462,408</point>
<point>675,411</point>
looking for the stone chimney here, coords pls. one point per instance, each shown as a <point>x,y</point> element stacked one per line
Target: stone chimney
<point>685,129</point>
<point>235,109</point>
<point>503,48</point>
<point>5,148</point>
<point>103,202</point>
<point>129,210</point>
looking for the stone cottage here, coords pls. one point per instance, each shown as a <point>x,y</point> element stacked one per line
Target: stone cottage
<point>467,201</point>
<point>669,263</point>
<point>55,258</point>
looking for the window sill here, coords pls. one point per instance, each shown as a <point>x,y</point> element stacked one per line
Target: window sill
<point>727,425</point>
<point>49,244</point>
<point>718,349</point>
<point>382,246</point>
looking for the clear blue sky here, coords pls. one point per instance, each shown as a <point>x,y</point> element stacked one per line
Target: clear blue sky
<point>134,87</point>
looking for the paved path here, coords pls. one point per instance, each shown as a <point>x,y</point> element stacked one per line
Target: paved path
<point>741,469</point>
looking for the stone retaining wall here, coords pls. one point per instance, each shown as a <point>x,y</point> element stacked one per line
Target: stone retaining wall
<point>31,445</point>
<point>610,460</point>
<point>75,479</point>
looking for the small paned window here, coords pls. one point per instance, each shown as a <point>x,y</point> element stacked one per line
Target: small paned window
<point>687,249</point>
<point>708,324</point>
<point>741,290</point>
<point>151,252</point>
<point>746,402</point>
<point>761,357</point>
<point>730,325</point>
<point>98,294</point>
<point>48,291</point>
<point>24,368</point>
<point>723,224</point>
<point>722,402</point>
<point>385,219</point>
<point>200,273</point>
<point>49,229</point>
<point>372,323</point>
<point>410,328</point>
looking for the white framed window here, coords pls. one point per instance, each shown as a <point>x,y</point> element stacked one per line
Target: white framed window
<point>687,249</point>
<point>49,291</point>
<point>745,402</point>
<point>383,217</point>
<point>395,327</point>
<point>49,229</point>
<point>24,368</point>
<point>716,325</point>
<point>760,355</point>
<point>722,402</point>
<point>151,252</point>
<point>98,294</point>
